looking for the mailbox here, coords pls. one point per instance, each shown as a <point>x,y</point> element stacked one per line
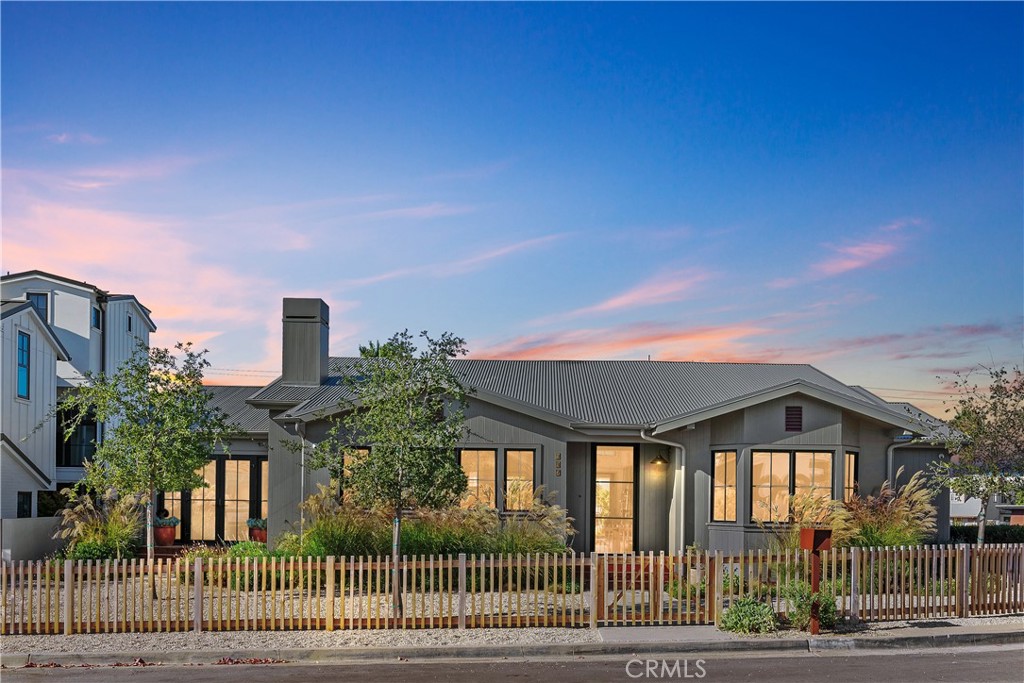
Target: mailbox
<point>815,539</point>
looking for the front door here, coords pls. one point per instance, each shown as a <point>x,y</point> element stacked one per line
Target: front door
<point>614,499</point>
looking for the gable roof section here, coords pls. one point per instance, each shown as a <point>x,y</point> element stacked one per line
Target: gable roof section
<point>25,461</point>
<point>81,284</point>
<point>612,394</point>
<point>231,400</point>
<point>10,308</point>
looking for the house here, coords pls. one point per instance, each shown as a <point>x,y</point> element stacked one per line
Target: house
<point>236,476</point>
<point>645,455</point>
<point>77,328</point>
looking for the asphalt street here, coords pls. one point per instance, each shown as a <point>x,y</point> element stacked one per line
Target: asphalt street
<point>995,664</point>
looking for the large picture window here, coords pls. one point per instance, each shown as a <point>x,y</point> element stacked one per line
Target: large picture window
<point>481,470</point>
<point>723,493</point>
<point>776,476</point>
<point>519,480</point>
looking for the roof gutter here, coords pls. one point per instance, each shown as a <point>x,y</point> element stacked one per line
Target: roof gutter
<point>676,521</point>
<point>890,456</point>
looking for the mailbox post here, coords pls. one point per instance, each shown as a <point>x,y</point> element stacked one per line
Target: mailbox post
<point>815,540</point>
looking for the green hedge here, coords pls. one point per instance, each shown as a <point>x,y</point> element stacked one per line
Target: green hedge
<point>994,533</point>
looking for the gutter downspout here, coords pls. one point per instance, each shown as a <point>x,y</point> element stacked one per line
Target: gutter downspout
<point>300,429</point>
<point>890,456</point>
<point>676,506</point>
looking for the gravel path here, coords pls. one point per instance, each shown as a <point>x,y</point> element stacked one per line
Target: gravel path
<point>264,640</point>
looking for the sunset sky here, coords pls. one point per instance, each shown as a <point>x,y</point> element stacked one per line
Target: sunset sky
<point>841,185</point>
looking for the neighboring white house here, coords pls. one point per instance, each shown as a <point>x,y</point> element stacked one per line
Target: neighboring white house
<point>83,329</point>
<point>31,352</point>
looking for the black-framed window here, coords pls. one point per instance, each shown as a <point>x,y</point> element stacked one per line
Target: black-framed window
<point>24,364</point>
<point>481,468</point>
<point>237,490</point>
<point>777,476</point>
<point>723,489</point>
<point>850,474</point>
<point>129,323</point>
<point>24,504</point>
<point>615,476</point>
<point>73,450</point>
<point>97,317</point>
<point>41,302</point>
<point>519,478</point>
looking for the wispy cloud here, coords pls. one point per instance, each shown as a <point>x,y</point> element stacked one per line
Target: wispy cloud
<point>422,211</point>
<point>659,341</point>
<point>68,138</point>
<point>98,177</point>
<point>884,242</point>
<point>461,266</point>
<point>663,288</point>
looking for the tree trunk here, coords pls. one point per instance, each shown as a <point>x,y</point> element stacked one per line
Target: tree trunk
<point>981,518</point>
<point>396,586</point>
<point>150,516</point>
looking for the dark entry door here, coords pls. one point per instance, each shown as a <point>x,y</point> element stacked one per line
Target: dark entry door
<point>236,490</point>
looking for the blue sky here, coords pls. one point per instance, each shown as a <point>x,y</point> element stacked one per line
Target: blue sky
<point>826,183</point>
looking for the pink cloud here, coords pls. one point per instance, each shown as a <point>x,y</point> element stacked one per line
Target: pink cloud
<point>852,257</point>
<point>660,289</point>
<point>457,267</point>
<point>66,138</point>
<point>433,210</point>
<point>661,342</point>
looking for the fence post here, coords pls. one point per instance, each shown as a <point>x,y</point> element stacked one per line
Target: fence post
<point>197,595</point>
<point>69,597</point>
<point>963,580</point>
<point>594,586</point>
<point>330,592</point>
<point>855,584</point>
<point>462,590</point>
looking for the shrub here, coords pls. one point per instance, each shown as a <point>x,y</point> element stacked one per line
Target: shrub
<point>800,598</point>
<point>110,529</point>
<point>895,517</point>
<point>994,533</point>
<point>248,549</point>
<point>748,615</point>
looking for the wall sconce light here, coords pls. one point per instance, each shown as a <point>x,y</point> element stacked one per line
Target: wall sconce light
<point>659,459</point>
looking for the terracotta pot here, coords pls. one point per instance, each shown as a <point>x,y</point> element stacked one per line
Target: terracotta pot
<point>164,535</point>
<point>259,535</point>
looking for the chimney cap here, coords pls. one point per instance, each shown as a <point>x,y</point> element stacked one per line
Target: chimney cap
<point>306,310</point>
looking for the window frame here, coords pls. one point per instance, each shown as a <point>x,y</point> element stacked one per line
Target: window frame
<point>97,318</point>
<point>593,492</point>
<point>494,484</point>
<point>129,322</point>
<point>725,487</point>
<point>851,491</point>
<point>533,477</point>
<point>791,483</point>
<point>21,501</point>
<point>24,366</point>
<point>45,313</point>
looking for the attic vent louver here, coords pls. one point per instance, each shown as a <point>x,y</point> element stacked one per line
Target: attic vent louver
<point>794,418</point>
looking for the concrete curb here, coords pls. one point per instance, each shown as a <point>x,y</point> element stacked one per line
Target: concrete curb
<point>381,654</point>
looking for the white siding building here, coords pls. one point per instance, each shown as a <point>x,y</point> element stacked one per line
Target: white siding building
<point>91,330</point>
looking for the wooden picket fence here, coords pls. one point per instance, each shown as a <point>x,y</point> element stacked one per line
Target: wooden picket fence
<point>567,590</point>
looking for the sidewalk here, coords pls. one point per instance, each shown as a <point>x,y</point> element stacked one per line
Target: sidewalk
<point>612,641</point>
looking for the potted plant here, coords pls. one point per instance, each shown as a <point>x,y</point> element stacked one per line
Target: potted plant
<point>257,529</point>
<point>163,528</point>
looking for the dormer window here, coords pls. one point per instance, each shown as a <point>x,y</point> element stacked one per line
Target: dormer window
<point>794,418</point>
<point>41,302</point>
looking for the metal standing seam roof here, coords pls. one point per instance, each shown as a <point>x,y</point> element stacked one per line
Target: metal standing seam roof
<point>620,393</point>
<point>232,401</point>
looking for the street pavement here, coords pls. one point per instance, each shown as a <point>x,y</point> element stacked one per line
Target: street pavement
<point>990,664</point>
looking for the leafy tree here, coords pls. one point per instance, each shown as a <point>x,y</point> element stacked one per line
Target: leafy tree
<point>986,443</point>
<point>406,407</point>
<point>159,431</point>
